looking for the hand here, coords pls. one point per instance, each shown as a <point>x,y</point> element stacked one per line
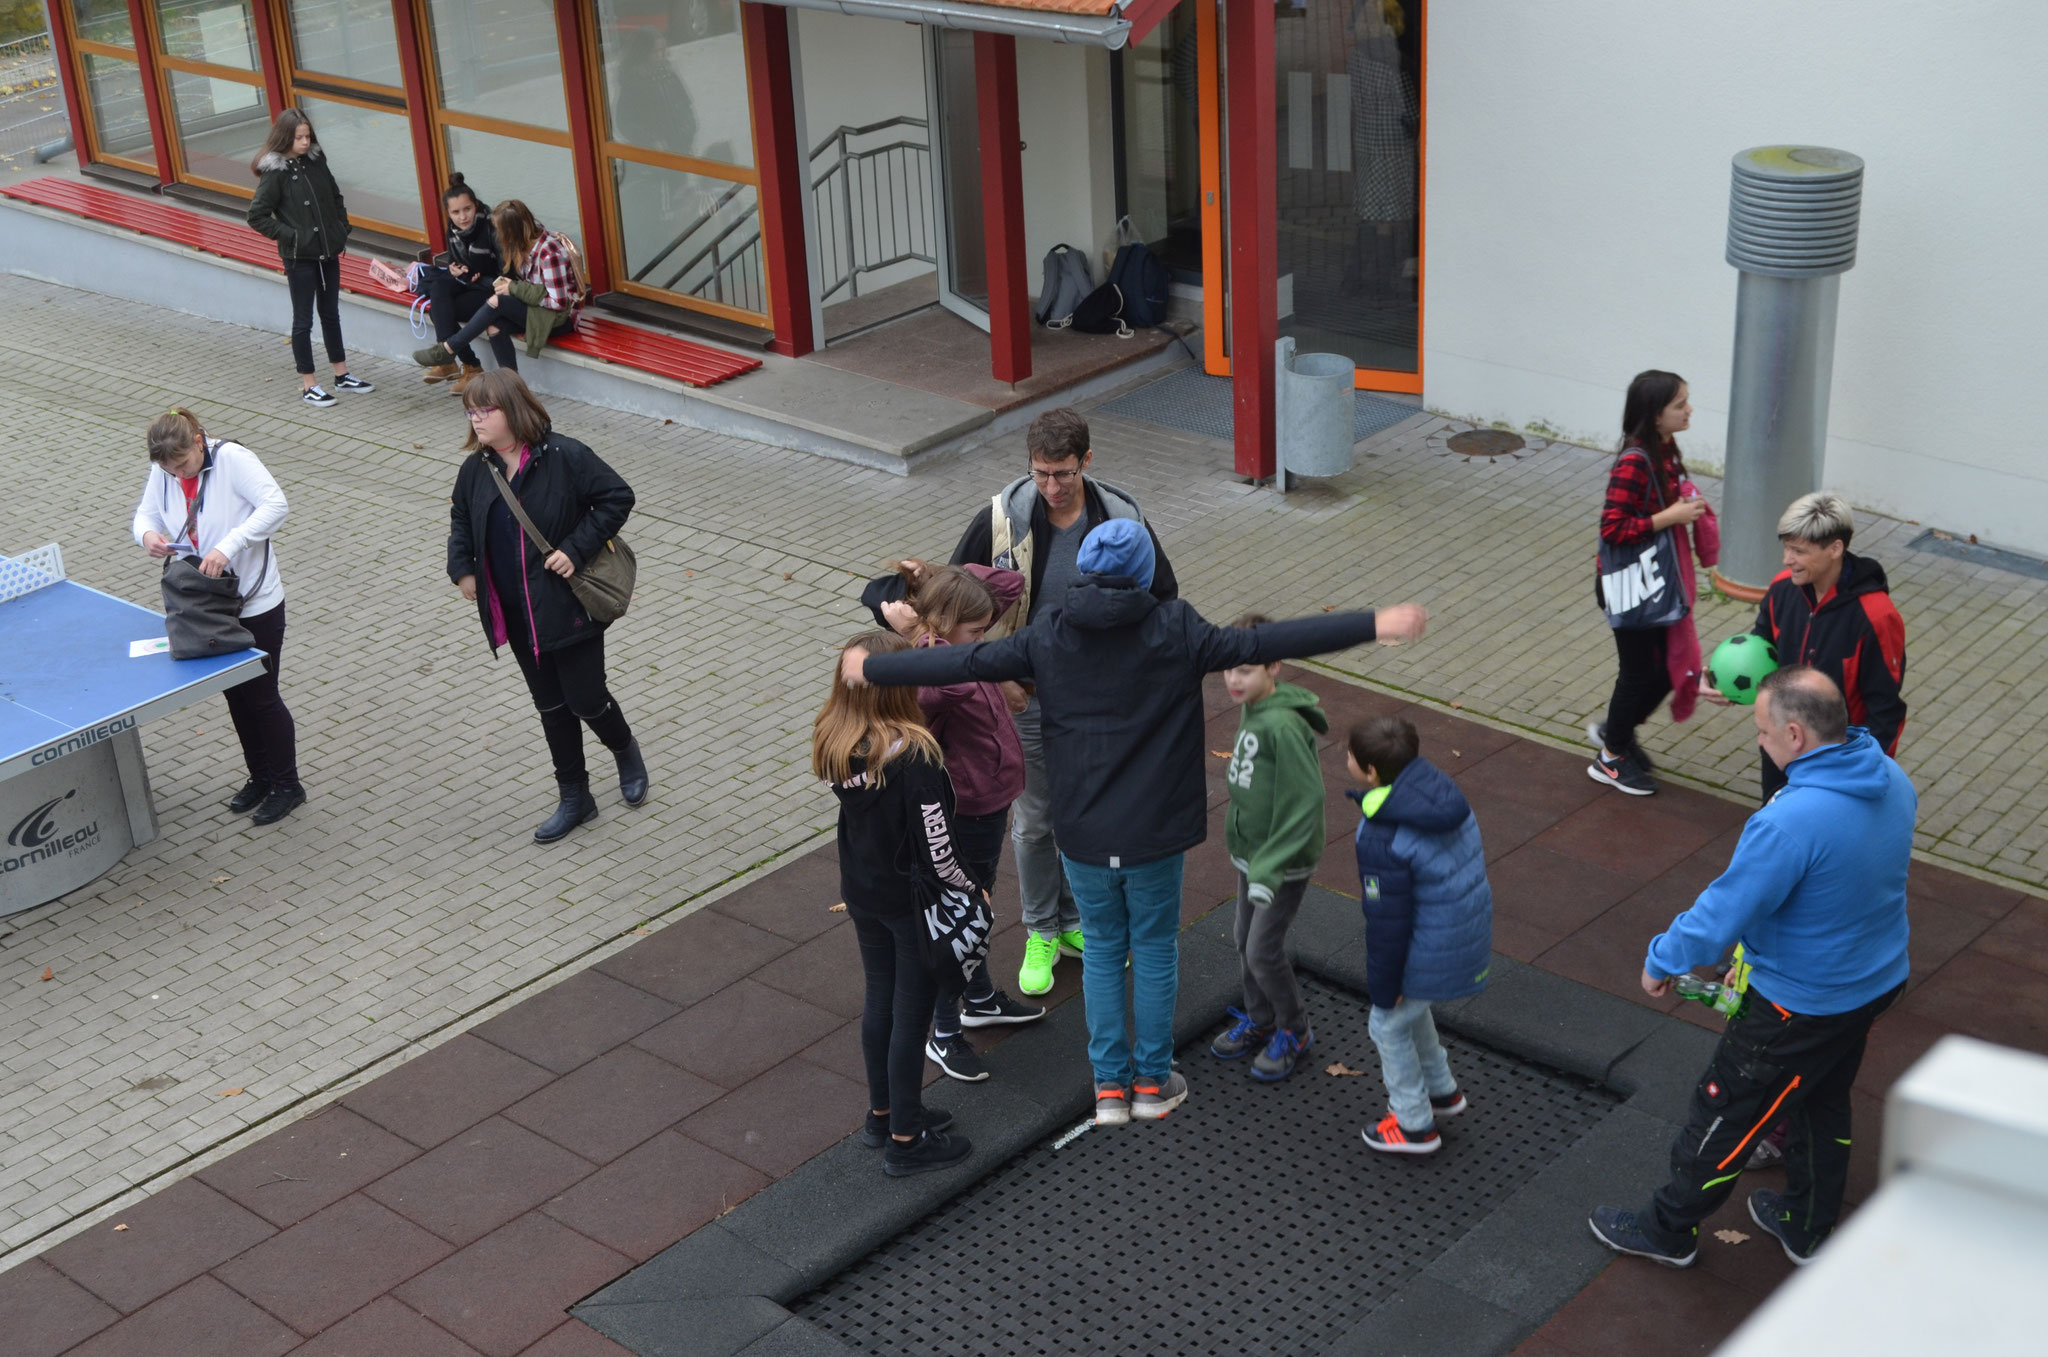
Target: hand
<point>467,584</point>
<point>901,617</point>
<point>560,564</point>
<point>1015,697</point>
<point>214,565</point>
<point>1709,693</point>
<point>156,544</point>
<point>1728,976</point>
<point>1402,622</point>
<point>456,270</point>
<point>500,286</point>
<point>1655,986</point>
<point>853,667</point>
<point>1684,513</point>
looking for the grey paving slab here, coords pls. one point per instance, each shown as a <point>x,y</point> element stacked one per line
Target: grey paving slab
<point>406,898</point>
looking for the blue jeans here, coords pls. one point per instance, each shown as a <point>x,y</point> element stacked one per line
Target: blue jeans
<point>1134,912</point>
<point>1413,1061</point>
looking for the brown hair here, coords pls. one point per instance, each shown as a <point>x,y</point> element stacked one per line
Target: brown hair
<point>873,724</point>
<point>517,230</point>
<point>1385,744</point>
<point>945,596</point>
<point>505,390</point>
<point>1057,435</point>
<point>172,432</point>
<point>282,133</point>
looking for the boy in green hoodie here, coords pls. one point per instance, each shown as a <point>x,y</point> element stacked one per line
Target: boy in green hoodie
<point>1274,832</point>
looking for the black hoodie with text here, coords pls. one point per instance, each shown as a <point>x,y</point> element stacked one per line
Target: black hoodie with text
<point>891,834</point>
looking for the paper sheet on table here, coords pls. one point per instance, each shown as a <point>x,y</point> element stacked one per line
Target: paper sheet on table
<point>137,649</point>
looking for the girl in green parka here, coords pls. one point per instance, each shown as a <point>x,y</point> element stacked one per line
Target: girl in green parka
<point>1274,832</point>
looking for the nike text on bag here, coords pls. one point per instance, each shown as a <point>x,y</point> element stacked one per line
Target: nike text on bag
<point>1640,586</point>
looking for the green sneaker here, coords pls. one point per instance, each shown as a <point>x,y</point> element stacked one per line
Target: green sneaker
<point>1040,951</point>
<point>1070,942</point>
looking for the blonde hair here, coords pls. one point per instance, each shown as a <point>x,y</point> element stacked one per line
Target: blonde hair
<point>873,724</point>
<point>172,432</point>
<point>1819,518</point>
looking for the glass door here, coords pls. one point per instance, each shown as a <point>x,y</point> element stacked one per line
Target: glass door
<point>963,246</point>
<point>342,68</point>
<point>1162,143</point>
<point>676,135</point>
<point>109,82</point>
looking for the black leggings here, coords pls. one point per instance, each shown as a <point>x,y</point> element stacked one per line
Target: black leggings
<point>270,741</point>
<point>569,691</point>
<point>315,281</point>
<point>508,315</point>
<point>978,847</point>
<point>1642,682</point>
<point>455,301</point>
<point>892,1022</point>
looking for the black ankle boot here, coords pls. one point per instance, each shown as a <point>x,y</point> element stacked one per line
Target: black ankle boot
<point>632,773</point>
<point>578,807</point>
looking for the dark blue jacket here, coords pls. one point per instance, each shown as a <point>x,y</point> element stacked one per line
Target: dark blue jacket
<point>1422,876</point>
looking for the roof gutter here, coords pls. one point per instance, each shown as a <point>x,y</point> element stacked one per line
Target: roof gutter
<point>1109,31</point>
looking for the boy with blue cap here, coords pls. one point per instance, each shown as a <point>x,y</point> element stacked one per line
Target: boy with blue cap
<point>1119,680</point>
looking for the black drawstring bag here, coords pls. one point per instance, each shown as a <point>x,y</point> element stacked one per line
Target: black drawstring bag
<point>202,613</point>
<point>955,928</point>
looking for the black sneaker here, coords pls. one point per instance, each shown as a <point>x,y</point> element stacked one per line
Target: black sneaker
<point>348,381</point>
<point>957,1058</point>
<point>874,1132</point>
<point>931,1150</point>
<point>1623,774</point>
<point>251,796</point>
<point>1450,1105</point>
<point>1622,1231</point>
<point>998,1008</point>
<point>278,803</point>
<point>316,394</point>
<point>1767,1209</point>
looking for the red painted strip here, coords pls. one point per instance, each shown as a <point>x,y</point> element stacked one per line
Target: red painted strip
<point>267,54</point>
<point>783,178</point>
<point>1254,216</point>
<point>583,146</point>
<point>1002,206</point>
<point>152,91</point>
<point>72,79</point>
<point>596,336</point>
<point>412,72</point>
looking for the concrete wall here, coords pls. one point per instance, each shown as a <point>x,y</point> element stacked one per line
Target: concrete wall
<point>1577,202</point>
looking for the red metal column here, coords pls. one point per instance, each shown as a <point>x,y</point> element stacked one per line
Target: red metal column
<point>779,154</point>
<point>270,55</point>
<point>153,92</point>
<point>412,73</point>
<point>583,144</point>
<point>70,77</point>
<point>1002,205</point>
<point>1254,222</point>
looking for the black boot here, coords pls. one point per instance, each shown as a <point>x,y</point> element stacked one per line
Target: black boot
<point>578,807</point>
<point>251,796</point>
<point>632,773</point>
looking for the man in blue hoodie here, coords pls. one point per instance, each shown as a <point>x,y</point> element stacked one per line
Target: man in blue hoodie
<point>1816,894</point>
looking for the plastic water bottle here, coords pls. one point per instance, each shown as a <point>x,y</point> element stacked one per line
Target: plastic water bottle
<point>1723,999</point>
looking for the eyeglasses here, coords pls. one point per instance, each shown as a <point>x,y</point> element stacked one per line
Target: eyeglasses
<point>477,412</point>
<point>1049,477</point>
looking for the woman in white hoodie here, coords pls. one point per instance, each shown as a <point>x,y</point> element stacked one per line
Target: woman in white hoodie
<point>212,499</point>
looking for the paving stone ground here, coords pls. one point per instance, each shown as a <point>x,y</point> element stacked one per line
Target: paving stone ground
<point>406,897</point>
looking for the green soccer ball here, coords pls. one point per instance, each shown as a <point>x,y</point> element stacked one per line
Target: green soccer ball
<point>1739,664</point>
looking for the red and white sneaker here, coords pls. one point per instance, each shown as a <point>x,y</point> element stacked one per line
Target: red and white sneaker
<point>1389,1138</point>
<point>1451,1105</point>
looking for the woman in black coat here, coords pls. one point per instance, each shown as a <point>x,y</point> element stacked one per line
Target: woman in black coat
<point>462,286</point>
<point>523,598</point>
<point>298,205</point>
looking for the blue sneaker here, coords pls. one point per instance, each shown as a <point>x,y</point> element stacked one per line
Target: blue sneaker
<point>1276,1062</point>
<point>1767,1209</point>
<point>1622,1231</point>
<point>1242,1037</point>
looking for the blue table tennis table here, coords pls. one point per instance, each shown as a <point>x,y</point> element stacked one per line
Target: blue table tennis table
<point>74,791</point>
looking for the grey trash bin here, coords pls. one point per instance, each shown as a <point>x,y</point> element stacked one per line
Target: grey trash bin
<point>1314,414</point>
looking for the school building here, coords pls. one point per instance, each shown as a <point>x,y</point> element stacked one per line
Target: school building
<point>1506,209</point>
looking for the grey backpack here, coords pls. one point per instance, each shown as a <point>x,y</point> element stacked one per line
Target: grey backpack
<point>1067,281</point>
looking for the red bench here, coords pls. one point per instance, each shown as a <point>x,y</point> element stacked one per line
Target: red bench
<point>595,336</point>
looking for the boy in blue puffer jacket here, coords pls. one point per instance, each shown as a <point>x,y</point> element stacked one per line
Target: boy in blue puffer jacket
<point>1428,923</point>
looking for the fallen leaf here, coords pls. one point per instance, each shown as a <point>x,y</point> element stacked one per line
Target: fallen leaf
<point>839,908</point>
<point>1329,607</point>
<point>1340,1068</point>
<point>1457,706</point>
<point>689,574</point>
<point>789,575</point>
<point>668,421</point>
<point>1731,1236</point>
<point>1457,754</point>
<point>49,974</point>
<point>119,1228</point>
<point>229,1093</point>
<point>1219,753</point>
<point>643,930</point>
<point>217,880</point>
<point>417,446</point>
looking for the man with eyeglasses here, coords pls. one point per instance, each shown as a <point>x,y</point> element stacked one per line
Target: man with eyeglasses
<point>1035,526</point>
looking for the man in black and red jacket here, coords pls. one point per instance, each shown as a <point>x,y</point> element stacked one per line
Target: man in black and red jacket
<point>1832,610</point>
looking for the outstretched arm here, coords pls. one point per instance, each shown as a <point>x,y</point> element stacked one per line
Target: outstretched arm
<point>1227,647</point>
<point>984,662</point>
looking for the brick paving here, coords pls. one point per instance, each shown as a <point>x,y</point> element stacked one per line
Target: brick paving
<point>405,901</point>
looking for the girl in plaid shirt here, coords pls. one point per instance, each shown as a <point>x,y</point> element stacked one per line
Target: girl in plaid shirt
<point>540,294</point>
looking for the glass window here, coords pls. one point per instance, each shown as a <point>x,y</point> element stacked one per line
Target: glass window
<point>354,39</point>
<point>369,151</point>
<point>120,120</point>
<point>541,176</point>
<point>690,234</point>
<point>221,125</point>
<point>677,85</point>
<point>500,59</point>
<point>1162,161</point>
<point>103,21</point>
<point>218,32</point>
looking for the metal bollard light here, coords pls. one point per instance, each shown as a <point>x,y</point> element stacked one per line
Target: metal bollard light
<point>1792,219</point>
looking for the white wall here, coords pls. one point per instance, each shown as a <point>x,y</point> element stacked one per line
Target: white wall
<point>1069,174</point>
<point>1578,200</point>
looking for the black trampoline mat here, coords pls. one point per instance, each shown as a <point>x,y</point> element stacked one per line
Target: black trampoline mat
<point>1253,1220</point>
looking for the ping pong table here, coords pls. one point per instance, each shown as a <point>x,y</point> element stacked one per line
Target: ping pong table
<point>74,791</point>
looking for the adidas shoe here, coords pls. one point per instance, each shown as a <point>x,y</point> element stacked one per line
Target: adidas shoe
<point>1450,1105</point>
<point>1389,1138</point>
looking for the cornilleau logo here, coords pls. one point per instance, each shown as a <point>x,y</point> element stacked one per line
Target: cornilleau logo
<point>35,834</point>
<point>35,828</point>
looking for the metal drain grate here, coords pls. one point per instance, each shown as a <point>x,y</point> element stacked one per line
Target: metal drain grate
<point>1252,1220</point>
<point>1199,403</point>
